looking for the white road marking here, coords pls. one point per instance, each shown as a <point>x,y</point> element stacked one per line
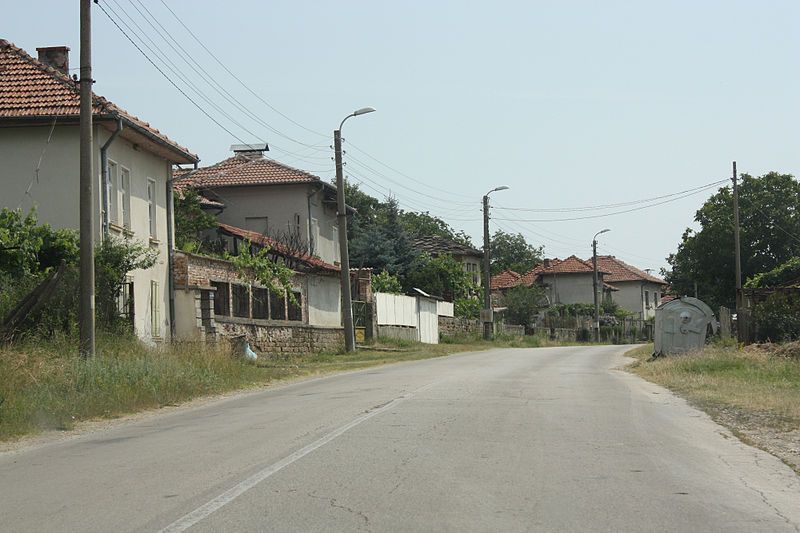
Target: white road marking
<point>187,521</point>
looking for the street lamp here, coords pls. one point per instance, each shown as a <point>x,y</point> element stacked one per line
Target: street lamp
<point>341,217</point>
<point>595,284</point>
<point>487,317</point>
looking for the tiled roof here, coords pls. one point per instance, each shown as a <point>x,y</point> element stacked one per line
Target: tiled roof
<point>436,244</point>
<point>30,89</point>
<point>244,170</point>
<point>621,271</point>
<point>505,280</point>
<point>263,240</point>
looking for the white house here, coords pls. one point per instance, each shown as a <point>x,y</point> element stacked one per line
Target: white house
<point>132,162</point>
<point>637,291</point>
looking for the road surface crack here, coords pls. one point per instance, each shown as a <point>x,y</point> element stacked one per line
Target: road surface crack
<point>761,494</point>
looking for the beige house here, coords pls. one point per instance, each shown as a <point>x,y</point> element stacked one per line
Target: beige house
<point>132,162</point>
<point>272,199</point>
<point>637,291</point>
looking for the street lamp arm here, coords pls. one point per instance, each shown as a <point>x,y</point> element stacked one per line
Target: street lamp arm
<point>355,113</point>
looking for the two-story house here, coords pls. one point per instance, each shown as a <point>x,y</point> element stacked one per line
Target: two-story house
<point>132,162</point>
<point>270,198</point>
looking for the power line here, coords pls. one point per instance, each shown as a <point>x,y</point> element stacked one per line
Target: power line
<point>608,214</point>
<point>234,76</point>
<point>611,206</point>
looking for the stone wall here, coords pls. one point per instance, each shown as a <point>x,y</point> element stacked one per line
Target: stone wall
<point>277,340</point>
<point>511,329</point>
<point>459,326</point>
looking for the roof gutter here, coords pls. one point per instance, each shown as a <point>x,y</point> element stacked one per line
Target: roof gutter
<point>106,180</point>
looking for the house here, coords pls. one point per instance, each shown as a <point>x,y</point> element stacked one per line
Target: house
<point>132,162</point>
<point>436,245</point>
<point>212,298</point>
<point>272,199</point>
<point>638,292</point>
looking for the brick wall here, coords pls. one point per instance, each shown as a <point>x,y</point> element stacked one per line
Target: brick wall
<point>192,270</point>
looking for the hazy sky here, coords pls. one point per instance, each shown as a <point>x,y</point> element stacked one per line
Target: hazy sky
<point>570,104</point>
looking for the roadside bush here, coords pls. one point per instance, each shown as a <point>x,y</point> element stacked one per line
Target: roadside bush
<point>777,318</point>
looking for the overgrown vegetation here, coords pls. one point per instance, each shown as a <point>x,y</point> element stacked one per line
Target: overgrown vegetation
<point>29,252</point>
<point>191,221</point>
<point>523,303</point>
<point>254,263</point>
<point>777,318</point>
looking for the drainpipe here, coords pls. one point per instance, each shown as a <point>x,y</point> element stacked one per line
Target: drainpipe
<point>170,252</point>
<point>106,180</point>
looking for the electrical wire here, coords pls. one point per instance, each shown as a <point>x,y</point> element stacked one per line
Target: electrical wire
<point>610,206</point>
<point>610,214</point>
<point>38,167</point>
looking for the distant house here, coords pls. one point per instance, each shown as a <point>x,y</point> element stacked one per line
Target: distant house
<point>638,292</point>
<point>261,195</point>
<point>132,161</point>
<point>436,245</point>
<point>565,281</point>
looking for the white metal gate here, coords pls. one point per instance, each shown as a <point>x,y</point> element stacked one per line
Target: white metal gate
<point>428,321</point>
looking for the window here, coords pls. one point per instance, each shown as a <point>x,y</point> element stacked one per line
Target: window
<point>241,300</point>
<point>315,235</point>
<point>647,299</point>
<point>125,197</point>
<point>155,310</point>
<point>125,301</point>
<point>257,224</point>
<point>277,306</point>
<point>297,223</point>
<point>656,298</point>
<point>296,307</point>
<point>114,194</point>
<point>260,303</point>
<point>151,206</point>
<point>222,303</point>
<point>336,255</point>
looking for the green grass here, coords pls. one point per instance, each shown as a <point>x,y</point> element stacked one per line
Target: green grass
<point>45,384</point>
<point>755,382</point>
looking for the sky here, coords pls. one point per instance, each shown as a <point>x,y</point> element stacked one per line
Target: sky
<point>570,104</point>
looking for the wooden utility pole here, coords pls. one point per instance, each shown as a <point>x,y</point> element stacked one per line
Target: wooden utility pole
<point>737,254</point>
<point>87,345</point>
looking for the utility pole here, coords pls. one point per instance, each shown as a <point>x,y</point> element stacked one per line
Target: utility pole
<point>594,285</point>
<point>488,319</point>
<point>341,219</point>
<point>344,256</point>
<point>86,319</point>
<point>737,254</point>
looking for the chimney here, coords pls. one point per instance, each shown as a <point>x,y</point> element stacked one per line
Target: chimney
<point>546,263</point>
<point>56,57</point>
<point>250,151</point>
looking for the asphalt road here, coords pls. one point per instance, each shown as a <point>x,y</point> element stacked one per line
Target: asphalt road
<point>548,439</point>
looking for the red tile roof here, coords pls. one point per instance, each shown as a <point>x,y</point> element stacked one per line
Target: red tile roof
<point>244,170</point>
<point>621,271</point>
<point>32,90</point>
<point>263,240</point>
<point>505,280</point>
<point>570,265</point>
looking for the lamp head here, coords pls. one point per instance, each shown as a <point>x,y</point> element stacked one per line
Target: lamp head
<point>363,111</point>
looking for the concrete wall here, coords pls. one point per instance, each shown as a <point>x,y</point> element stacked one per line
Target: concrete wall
<point>281,204</point>
<point>324,301</point>
<point>399,332</point>
<point>569,288</point>
<point>55,197</point>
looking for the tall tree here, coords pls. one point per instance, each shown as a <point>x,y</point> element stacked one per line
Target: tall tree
<point>422,224</point>
<point>769,216</point>
<point>512,252</point>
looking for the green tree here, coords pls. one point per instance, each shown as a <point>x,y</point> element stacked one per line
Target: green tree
<point>422,224</point>
<point>114,259</point>
<point>190,220</point>
<point>253,263</point>
<point>440,276</point>
<point>523,302</point>
<point>770,223</point>
<point>385,282</point>
<point>29,248</point>
<point>380,242</point>
<point>787,272</point>
<point>512,252</point>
